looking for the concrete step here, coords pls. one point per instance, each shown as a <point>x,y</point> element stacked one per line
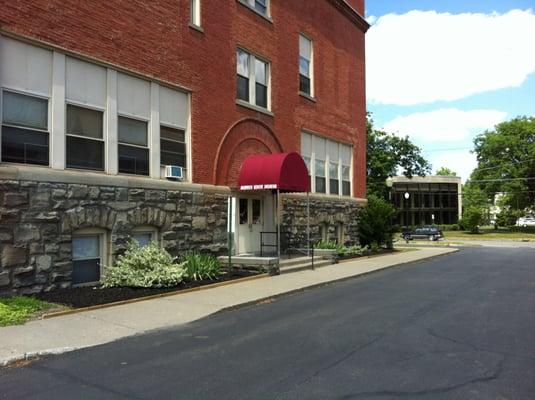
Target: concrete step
<point>303,264</point>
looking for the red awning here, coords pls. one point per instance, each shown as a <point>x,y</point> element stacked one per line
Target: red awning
<point>284,171</point>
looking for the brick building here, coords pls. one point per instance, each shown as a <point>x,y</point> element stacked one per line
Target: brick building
<point>97,98</point>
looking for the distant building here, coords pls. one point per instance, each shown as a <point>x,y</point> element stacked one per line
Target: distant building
<point>427,200</point>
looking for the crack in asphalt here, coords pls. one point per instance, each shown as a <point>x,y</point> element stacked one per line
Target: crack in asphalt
<point>495,374</point>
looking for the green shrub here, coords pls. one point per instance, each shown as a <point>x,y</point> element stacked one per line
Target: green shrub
<point>199,266</point>
<point>472,219</point>
<point>508,217</point>
<point>375,223</point>
<point>343,250</point>
<point>149,266</point>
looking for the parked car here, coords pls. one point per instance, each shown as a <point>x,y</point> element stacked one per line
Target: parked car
<point>425,232</point>
<point>525,221</point>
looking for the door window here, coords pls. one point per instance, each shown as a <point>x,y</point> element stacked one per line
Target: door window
<point>257,211</point>
<point>244,211</point>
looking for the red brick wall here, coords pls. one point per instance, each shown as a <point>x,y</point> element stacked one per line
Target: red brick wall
<point>154,39</point>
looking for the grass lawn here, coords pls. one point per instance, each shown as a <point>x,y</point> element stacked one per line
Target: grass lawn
<point>491,233</point>
<point>18,309</point>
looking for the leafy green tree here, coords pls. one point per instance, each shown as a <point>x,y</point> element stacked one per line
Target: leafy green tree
<point>446,172</point>
<point>506,162</point>
<point>473,218</point>
<point>388,153</point>
<point>375,222</point>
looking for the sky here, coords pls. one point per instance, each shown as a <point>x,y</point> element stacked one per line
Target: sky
<point>444,71</point>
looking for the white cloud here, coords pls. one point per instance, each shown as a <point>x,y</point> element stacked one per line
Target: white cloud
<point>422,57</point>
<point>462,162</point>
<point>444,125</point>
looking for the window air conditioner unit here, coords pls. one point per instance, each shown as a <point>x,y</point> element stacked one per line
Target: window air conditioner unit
<point>174,172</point>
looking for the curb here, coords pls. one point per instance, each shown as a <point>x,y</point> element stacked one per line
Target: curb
<point>152,297</point>
<point>6,362</point>
<point>317,285</point>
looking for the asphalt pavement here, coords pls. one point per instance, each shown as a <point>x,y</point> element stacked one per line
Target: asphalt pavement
<point>461,326</point>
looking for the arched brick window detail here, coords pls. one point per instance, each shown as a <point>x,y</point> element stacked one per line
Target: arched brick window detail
<point>245,138</point>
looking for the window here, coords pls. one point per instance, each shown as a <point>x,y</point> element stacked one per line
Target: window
<point>133,150</point>
<point>252,79</point>
<point>24,129</point>
<point>261,79</point>
<point>260,6</point>
<point>85,143</point>
<point>334,182</point>
<point>195,12</point>
<point>172,146</point>
<point>86,258</point>
<point>144,235</point>
<point>305,65</point>
<point>329,164</point>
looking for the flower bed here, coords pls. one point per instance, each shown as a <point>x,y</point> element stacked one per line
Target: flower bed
<point>95,295</point>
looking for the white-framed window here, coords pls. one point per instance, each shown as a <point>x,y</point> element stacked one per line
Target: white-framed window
<point>133,146</point>
<point>260,6</point>
<point>144,235</point>
<point>173,146</point>
<point>97,118</point>
<point>253,79</point>
<point>85,97</point>
<point>195,13</point>
<point>134,113</point>
<point>306,83</point>
<point>329,164</point>
<point>89,254</point>
<point>174,140</point>
<point>25,133</point>
<point>85,138</point>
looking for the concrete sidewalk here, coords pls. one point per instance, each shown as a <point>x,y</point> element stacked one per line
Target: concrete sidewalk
<point>90,328</point>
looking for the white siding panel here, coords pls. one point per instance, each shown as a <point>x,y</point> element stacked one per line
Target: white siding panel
<point>25,67</point>
<point>174,108</point>
<point>345,154</point>
<point>306,144</point>
<point>333,151</point>
<point>319,147</point>
<point>133,96</point>
<point>86,83</point>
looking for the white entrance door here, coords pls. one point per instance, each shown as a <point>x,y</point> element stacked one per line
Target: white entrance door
<point>250,223</point>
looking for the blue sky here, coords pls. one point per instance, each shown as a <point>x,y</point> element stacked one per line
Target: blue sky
<point>444,71</point>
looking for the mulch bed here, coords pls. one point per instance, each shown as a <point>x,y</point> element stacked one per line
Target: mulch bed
<point>93,295</point>
<point>377,253</point>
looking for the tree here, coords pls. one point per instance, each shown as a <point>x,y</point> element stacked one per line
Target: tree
<point>506,162</point>
<point>388,153</point>
<point>446,172</point>
<point>472,219</point>
<point>375,222</point>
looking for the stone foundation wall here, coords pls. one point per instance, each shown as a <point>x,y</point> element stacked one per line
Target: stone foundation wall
<point>38,220</point>
<point>327,212</point>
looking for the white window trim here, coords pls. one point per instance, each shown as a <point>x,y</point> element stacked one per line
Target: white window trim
<point>148,146</point>
<point>252,80</point>
<point>195,13</point>
<point>310,96</point>
<point>266,16</point>
<point>104,248</point>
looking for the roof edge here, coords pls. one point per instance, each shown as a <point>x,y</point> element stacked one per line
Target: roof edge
<point>352,14</point>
